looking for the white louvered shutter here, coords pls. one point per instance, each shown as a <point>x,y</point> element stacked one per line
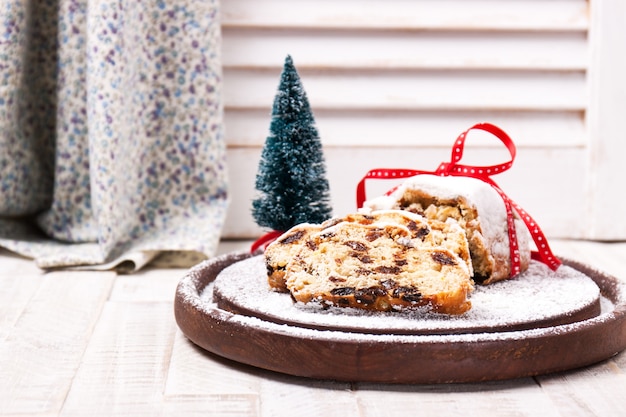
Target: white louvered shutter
<point>392,84</point>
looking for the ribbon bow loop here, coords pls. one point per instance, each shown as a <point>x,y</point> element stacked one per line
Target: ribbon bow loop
<point>483,172</point>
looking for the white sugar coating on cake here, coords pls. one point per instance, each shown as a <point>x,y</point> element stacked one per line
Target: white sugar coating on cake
<point>447,187</point>
<point>537,294</point>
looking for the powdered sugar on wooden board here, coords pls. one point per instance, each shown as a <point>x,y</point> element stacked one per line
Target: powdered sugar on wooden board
<point>536,295</point>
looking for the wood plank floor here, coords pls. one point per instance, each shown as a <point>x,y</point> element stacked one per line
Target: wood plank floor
<point>102,344</point>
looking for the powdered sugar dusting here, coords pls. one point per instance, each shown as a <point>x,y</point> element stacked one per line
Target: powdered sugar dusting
<point>193,285</point>
<point>536,295</point>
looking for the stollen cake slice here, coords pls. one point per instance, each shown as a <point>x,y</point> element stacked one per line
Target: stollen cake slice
<point>283,250</point>
<point>422,232</point>
<point>477,208</point>
<point>381,261</point>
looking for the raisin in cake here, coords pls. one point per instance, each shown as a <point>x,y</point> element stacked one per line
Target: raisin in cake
<point>476,206</point>
<point>378,261</point>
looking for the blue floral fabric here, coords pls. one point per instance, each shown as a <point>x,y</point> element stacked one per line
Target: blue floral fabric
<point>111,134</point>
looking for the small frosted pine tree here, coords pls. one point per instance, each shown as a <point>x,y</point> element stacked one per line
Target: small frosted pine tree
<point>291,178</point>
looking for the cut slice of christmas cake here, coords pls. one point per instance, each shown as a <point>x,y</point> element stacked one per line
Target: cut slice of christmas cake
<point>387,260</point>
<point>478,209</point>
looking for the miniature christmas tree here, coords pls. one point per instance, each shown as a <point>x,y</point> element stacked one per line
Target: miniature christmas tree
<point>291,177</point>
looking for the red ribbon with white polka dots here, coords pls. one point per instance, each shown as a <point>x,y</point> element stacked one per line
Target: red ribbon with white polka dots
<point>484,173</point>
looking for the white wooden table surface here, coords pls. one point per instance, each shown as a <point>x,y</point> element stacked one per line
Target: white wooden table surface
<point>102,344</point>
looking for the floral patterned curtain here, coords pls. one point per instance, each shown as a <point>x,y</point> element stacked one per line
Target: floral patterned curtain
<point>111,137</point>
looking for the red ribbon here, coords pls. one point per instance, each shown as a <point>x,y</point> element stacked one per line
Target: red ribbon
<point>265,240</point>
<point>484,173</point>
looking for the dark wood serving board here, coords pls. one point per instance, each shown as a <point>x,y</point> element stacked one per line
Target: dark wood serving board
<point>537,298</point>
<point>419,358</point>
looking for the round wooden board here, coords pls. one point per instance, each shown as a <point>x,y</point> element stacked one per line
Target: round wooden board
<point>383,358</point>
<point>537,298</point>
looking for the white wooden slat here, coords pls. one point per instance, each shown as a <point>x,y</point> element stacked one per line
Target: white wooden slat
<point>124,367</point>
<point>552,15</point>
<point>282,394</point>
<point>250,128</point>
<point>591,391</point>
<point>19,282</point>
<point>514,398</point>
<point>607,107</point>
<point>43,350</point>
<point>15,293</point>
<point>538,176</point>
<point>223,406</point>
<point>359,50</point>
<point>427,90</point>
<point>196,373</point>
<point>202,384</point>
<point>133,288</point>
